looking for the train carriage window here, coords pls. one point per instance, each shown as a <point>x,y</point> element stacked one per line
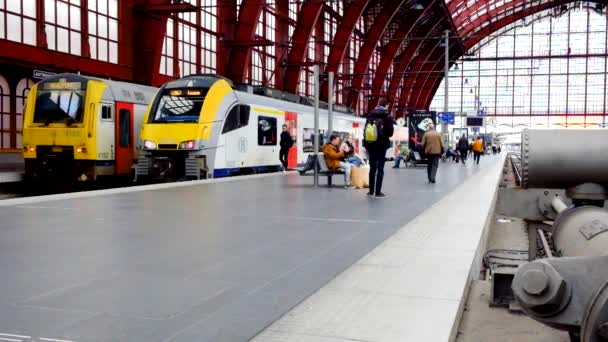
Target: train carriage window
<point>237,117</point>
<point>124,118</point>
<point>267,131</point>
<point>106,113</point>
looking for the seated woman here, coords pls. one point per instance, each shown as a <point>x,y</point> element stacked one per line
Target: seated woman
<point>349,152</point>
<point>333,158</point>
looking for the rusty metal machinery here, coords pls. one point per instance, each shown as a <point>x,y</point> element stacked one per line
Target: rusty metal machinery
<point>560,159</point>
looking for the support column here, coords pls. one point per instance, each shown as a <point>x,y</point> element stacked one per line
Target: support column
<point>330,102</point>
<point>226,22</point>
<point>316,141</point>
<point>282,41</point>
<point>446,69</point>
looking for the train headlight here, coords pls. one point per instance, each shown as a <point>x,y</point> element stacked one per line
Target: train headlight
<point>149,145</point>
<point>81,149</point>
<point>187,145</point>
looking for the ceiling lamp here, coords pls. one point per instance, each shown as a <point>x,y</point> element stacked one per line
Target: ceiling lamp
<point>418,5</point>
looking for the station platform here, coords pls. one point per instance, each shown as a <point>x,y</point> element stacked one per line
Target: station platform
<point>222,260</point>
<point>11,167</point>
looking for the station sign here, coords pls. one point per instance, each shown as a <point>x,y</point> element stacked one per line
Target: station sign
<point>447,117</point>
<point>41,75</point>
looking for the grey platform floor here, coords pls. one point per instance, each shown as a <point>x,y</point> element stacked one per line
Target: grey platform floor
<point>214,262</point>
<point>11,167</point>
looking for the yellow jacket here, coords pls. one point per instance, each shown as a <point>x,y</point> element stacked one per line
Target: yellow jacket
<point>478,146</point>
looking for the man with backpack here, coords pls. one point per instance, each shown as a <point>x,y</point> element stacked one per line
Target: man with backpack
<point>377,132</point>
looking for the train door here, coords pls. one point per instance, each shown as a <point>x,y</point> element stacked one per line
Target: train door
<point>236,136</point>
<point>268,125</point>
<point>124,138</point>
<point>291,120</point>
<point>104,133</point>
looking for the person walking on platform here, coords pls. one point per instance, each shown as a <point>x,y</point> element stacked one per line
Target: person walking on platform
<point>333,158</point>
<point>433,148</point>
<point>378,130</point>
<point>286,143</point>
<point>478,149</point>
<point>463,148</point>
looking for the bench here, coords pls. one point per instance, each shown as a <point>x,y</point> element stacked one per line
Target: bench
<point>324,170</point>
<point>319,161</point>
<point>416,160</point>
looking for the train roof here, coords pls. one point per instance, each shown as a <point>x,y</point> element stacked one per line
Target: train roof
<point>121,91</point>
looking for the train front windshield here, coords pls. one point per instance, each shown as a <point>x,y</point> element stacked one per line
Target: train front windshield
<point>60,102</point>
<point>178,106</point>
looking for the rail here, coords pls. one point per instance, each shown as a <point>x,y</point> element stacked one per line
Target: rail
<point>516,164</point>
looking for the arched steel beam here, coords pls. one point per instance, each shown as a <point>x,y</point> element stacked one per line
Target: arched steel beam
<point>373,36</point>
<point>402,62</point>
<point>466,14</point>
<point>414,66</point>
<point>389,51</point>
<point>487,17</point>
<point>141,22</point>
<point>435,74</point>
<point>307,18</point>
<point>488,30</point>
<point>422,70</point>
<point>354,10</point>
<point>240,55</point>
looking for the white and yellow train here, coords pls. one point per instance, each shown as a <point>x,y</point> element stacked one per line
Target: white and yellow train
<point>80,128</point>
<point>83,128</point>
<point>201,127</point>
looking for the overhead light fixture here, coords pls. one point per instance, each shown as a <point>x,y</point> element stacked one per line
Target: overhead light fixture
<point>418,6</point>
<point>456,66</point>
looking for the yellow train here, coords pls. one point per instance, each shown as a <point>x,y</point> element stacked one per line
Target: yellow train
<point>202,126</point>
<point>81,128</point>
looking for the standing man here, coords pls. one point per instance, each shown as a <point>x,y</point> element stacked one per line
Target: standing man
<point>286,143</point>
<point>433,148</point>
<point>376,139</point>
<point>463,148</point>
<point>478,150</point>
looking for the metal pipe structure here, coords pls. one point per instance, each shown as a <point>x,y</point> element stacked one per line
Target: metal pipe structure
<point>316,141</point>
<point>581,231</point>
<point>558,204</point>
<point>330,103</point>
<point>560,159</point>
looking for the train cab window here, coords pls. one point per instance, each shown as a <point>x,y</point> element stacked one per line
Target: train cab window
<point>267,131</point>
<point>237,117</point>
<point>124,117</point>
<point>106,113</point>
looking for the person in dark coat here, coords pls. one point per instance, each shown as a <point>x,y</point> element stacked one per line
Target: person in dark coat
<point>463,148</point>
<point>377,149</point>
<point>286,143</point>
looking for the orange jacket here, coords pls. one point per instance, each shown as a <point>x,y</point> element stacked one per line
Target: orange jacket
<point>332,156</point>
<point>478,146</point>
